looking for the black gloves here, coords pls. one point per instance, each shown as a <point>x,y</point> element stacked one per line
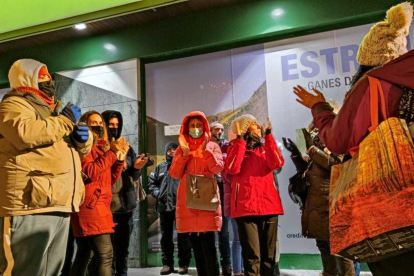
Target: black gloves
<point>291,146</point>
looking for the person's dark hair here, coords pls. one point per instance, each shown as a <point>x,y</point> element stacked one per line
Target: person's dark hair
<point>252,140</point>
<point>362,70</point>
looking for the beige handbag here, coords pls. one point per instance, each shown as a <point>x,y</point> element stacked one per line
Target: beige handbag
<point>139,191</point>
<point>201,193</point>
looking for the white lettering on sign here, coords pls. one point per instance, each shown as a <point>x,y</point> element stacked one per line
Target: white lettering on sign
<point>172,130</point>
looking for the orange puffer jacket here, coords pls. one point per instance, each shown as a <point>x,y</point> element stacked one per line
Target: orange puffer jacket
<point>207,163</point>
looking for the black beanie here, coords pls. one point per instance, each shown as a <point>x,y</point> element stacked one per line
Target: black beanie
<point>170,145</point>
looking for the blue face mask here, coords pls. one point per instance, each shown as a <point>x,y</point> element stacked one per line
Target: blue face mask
<point>196,132</point>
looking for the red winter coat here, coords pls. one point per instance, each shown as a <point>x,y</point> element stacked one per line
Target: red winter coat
<point>226,182</point>
<point>254,192</point>
<point>95,216</point>
<point>207,163</point>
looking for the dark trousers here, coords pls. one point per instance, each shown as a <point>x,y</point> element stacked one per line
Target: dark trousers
<point>120,242</point>
<point>400,265</point>
<point>205,253</point>
<point>223,235</point>
<point>258,236</point>
<point>101,247</point>
<point>334,265</point>
<point>167,219</point>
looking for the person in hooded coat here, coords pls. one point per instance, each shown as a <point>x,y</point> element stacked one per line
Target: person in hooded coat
<point>93,224</point>
<point>123,196</point>
<point>382,55</point>
<point>40,172</point>
<point>197,155</point>
<point>164,188</point>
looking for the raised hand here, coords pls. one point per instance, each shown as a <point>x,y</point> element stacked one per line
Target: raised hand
<point>184,145</point>
<point>238,132</point>
<point>80,133</point>
<point>141,161</point>
<point>267,127</point>
<point>308,99</point>
<point>291,146</point>
<point>119,145</point>
<point>72,112</point>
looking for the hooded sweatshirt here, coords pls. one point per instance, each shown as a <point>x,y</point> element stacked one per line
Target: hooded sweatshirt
<point>206,162</point>
<point>123,192</point>
<point>40,167</point>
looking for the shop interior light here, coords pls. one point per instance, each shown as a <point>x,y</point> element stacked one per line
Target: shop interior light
<point>109,47</point>
<point>277,13</point>
<point>80,26</point>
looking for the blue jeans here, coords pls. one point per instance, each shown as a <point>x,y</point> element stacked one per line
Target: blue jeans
<point>357,268</point>
<point>236,249</point>
<point>224,242</point>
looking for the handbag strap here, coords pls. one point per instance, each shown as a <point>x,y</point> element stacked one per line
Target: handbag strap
<point>376,95</point>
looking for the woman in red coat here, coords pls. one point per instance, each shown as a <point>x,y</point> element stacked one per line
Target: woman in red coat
<point>255,201</point>
<point>93,224</point>
<point>198,156</point>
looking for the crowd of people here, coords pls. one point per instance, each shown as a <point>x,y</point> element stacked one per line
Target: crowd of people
<point>69,177</point>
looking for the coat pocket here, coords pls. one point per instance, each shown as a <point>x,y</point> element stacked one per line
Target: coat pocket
<point>48,191</point>
<point>93,199</point>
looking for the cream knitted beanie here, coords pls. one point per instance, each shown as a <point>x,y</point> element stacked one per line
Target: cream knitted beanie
<point>387,39</point>
<point>244,121</point>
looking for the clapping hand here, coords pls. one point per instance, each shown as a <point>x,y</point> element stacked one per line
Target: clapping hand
<point>308,99</point>
<point>184,145</point>
<point>120,147</point>
<point>141,161</point>
<point>267,127</point>
<point>291,146</point>
<point>238,131</point>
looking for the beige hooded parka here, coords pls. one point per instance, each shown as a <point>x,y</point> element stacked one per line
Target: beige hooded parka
<point>40,169</point>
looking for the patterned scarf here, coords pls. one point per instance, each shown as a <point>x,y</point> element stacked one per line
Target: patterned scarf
<point>49,100</point>
<point>407,105</point>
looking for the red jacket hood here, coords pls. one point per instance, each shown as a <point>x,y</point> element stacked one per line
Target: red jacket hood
<point>184,125</point>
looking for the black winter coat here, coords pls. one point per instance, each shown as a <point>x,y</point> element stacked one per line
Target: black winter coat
<point>163,187</point>
<point>123,191</point>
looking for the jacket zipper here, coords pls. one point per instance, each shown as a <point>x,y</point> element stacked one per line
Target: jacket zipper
<point>237,195</point>
<point>195,158</point>
<point>74,178</point>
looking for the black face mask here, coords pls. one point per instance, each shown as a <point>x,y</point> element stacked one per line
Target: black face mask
<point>112,133</point>
<point>47,87</point>
<point>98,130</point>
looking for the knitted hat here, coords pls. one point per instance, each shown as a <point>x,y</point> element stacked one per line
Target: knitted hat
<point>387,39</point>
<point>170,145</point>
<point>244,121</point>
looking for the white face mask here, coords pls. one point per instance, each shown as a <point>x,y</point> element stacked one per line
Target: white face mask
<point>196,132</point>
